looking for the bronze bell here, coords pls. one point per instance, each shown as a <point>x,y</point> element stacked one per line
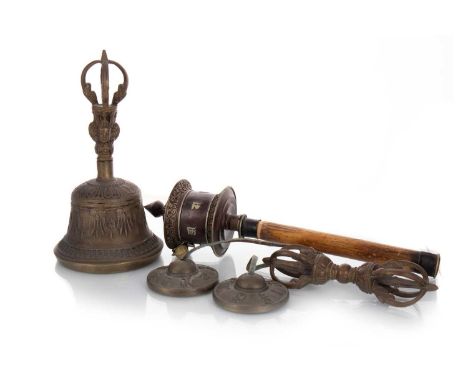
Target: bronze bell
<point>107,230</point>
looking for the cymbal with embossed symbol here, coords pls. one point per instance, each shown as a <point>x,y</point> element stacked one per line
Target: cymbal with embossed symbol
<point>182,278</point>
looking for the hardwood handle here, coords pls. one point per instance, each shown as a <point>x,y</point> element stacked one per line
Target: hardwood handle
<point>345,246</point>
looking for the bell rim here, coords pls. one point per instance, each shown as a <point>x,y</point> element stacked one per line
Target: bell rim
<point>73,261</point>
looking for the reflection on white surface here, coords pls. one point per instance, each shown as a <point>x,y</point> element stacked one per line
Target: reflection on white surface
<point>127,294</point>
<point>349,299</point>
<point>118,292</point>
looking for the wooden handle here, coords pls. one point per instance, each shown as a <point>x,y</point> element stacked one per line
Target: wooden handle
<point>345,246</point>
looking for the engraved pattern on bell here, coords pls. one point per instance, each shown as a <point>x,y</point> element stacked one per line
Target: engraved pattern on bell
<point>182,278</point>
<point>250,293</point>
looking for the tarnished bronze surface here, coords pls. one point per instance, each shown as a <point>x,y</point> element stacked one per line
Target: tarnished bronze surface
<point>107,230</point>
<point>194,217</point>
<point>182,278</point>
<point>396,283</point>
<point>250,293</point>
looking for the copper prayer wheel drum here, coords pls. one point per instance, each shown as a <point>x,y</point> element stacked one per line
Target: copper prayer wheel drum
<point>196,217</point>
<point>107,230</point>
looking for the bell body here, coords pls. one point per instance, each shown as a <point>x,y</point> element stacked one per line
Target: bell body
<point>107,230</point>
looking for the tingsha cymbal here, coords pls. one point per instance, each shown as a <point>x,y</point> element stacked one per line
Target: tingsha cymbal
<point>250,293</point>
<point>182,278</point>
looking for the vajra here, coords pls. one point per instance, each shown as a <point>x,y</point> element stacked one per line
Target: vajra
<point>397,283</point>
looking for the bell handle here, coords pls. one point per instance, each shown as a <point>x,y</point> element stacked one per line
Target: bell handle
<point>103,129</point>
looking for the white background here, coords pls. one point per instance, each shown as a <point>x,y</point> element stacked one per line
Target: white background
<point>343,116</point>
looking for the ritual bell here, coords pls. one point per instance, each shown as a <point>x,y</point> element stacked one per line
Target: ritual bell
<point>107,229</point>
